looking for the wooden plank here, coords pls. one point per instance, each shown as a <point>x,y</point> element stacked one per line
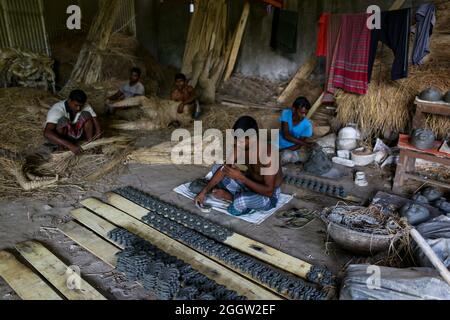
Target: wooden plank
<point>93,222</point>
<point>54,270</point>
<point>138,212</point>
<point>91,242</point>
<point>201,263</point>
<point>316,106</point>
<point>417,177</point>
<point>303,73</point>
<point>398,4</point>
<point>237,41</point>
<point>23,280</point>
<point>254,248</point>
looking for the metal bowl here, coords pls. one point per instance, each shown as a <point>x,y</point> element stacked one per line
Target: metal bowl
<point>431,94</point>
<point>359,242</point>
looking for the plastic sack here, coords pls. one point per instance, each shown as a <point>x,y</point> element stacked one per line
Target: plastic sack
<point>393,284</point>
<point>437,233</point>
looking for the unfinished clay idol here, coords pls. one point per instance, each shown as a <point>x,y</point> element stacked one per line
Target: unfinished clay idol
<point>318,163</point>
<point>432,194</point>
<point>423,139</point>
<point>447,97</point>
<point>418,198</point>
<point>431,94</point>
<point>415,213</point>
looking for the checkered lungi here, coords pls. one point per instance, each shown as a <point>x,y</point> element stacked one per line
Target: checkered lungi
<point>246,201</point>
<point>74,130</point>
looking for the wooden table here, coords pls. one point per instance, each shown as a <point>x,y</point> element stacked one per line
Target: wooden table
<point>425,107</point>
<point>408,156</point>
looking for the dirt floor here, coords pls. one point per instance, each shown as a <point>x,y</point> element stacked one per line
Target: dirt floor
<point>26,219</point>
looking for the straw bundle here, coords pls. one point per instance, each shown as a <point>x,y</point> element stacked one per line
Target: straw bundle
<point>27,181</point>
<point>60,162</point>
<point>160,111</point>
<point>162,153</point>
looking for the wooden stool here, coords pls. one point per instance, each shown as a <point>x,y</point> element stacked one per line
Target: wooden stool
<point>408,156</point>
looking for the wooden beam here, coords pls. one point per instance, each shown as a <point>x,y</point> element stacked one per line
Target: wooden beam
<point>303,73</point>
<point>201,263</point>
<point>254,248</point>
<point>237,40</point>
<point>23,280</point>
<point>55,271</point>
<point>316,106</point>
<point>91,242</point>
<point>398,4</point>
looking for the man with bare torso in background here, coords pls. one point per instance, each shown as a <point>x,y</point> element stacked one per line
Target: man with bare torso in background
<point>185,94</point>
<point>250,191</point>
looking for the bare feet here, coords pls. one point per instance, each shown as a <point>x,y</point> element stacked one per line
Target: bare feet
<point>222,194</point>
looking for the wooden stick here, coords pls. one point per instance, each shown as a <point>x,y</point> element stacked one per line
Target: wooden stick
<point>237,41</point>
<point>254,248</point>
<point>316,106</point>
<point>431,255</point>
<point>397,5</point>
<point>303,73</point>
<point>23,281</point>
<point>54,270</point>
<point>201,263</point>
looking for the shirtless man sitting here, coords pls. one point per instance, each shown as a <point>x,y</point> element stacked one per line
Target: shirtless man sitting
<point>252,190</point>
<point>71,121</point>
<point>185,94</point>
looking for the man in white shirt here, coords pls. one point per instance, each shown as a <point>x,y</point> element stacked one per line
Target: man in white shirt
<point>71,121</point>
<point>133,88</point>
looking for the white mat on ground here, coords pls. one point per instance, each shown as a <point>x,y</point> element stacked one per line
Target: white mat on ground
<point>221,206</point>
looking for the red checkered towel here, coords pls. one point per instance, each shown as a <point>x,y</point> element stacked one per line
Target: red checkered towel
<point>349,69</point>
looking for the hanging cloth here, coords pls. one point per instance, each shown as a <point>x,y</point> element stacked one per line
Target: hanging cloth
<point>425,21</point>
<point>321,50</point>
<point>348,69</point>
<point>394,32</point>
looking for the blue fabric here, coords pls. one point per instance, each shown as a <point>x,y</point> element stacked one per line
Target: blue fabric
<point>304,129</point>
<point>246,201</point>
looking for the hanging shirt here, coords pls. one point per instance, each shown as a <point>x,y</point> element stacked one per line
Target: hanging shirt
<point>394,32</point>
<point>304,129</point>
<point>321,50</point>
<point>425,21</point>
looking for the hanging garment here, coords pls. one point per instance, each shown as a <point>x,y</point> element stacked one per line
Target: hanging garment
<point>334,28</point>
<point>348,69</point>
<point>321,50</point>
<point>425,21</point>
<point>394,32</point>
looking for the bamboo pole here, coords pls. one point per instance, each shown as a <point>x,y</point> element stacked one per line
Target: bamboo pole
<point>431,255</point>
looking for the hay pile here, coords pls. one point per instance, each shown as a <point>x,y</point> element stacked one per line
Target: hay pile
<point>26,69</point>
<point>24,168</point>
<point>387,107</point>
<point>23,112</point>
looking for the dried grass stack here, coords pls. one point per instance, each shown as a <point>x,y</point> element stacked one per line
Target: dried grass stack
<point>387,108</point>
<point>162,153</point>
